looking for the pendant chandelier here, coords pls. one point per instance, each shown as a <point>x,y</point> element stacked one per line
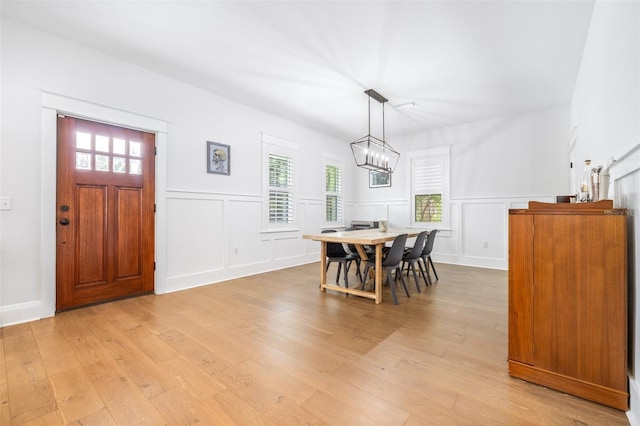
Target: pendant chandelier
<point>370,152</point>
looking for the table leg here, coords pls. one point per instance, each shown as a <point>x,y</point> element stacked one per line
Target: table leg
<point>378,279</point>
<point>323,266</point>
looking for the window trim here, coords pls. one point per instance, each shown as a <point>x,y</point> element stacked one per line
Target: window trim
<point>445,154</point>
<point>338,162</point>
<point>277,146</point>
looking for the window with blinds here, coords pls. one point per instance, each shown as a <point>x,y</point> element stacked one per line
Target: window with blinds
<point>280,189</point>
<point>333,193</point>
<point>428,189</point>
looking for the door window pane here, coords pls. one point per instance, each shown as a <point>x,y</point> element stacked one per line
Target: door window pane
<point>119,146</point>
<point>119,165</point>
<point>135,167</point>
<point>83,140</point>
<point>83,161</point>
<point>102,163</point>
<point>135,149</point>
<point>102,143</point>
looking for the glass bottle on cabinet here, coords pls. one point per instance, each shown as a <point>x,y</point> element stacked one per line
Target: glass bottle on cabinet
<point>583,184</point>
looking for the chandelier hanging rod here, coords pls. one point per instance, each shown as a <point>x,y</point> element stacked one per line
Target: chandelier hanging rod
<point>370,152</point>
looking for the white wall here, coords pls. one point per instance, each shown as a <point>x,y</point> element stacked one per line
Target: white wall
<point>530,149</point>
<point>606,118</point>
<point>605,106</point>
<point>208,226</point>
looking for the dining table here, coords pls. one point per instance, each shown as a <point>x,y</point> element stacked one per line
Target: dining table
<point>359,238</point>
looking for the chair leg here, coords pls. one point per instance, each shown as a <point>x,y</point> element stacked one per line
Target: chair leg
<point>346,274</point>
<point>424,276</point>
<point>404,284</point>
<point>412,265</point>
<point>338,275</point>
<point>426,268</point>
<point>393,287</point>
<point>364,274</point>
<point>357,267</point>
<point>434,268</point>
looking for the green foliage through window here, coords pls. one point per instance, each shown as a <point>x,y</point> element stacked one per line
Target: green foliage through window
<point>428,208</point>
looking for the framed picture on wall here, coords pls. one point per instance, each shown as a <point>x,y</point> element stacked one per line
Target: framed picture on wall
<point>218,158</point>
<point>379,179</point>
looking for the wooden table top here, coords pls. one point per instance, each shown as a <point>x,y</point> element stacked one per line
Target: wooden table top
<point>371,236</point>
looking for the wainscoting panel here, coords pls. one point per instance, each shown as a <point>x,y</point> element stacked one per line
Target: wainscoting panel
<point>483,230</point>
<point>244,220</point>
<point>625,175</point>
<point>314,218</point>
<point>195,235</point>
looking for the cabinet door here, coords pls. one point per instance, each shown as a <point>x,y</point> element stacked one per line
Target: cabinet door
<point>580,303</point>
<point>521,288</point>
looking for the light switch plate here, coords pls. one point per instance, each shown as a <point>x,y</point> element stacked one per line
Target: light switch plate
<point>5,203</point>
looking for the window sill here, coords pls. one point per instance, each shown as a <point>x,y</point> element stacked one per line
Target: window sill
<point>279,230</point>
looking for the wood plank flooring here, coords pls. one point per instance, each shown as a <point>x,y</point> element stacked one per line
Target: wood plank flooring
<point>271,349</point>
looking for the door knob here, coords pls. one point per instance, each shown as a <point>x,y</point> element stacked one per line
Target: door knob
<point>64,221</point>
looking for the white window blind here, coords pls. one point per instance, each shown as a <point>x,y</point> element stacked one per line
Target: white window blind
<point>333,193</point>
<point>280,189</point>
<point>428,175</point>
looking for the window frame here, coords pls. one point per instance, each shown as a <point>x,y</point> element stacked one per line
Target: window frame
<point>443,155</point>
<point>331,161</point>
<point>280,147</point>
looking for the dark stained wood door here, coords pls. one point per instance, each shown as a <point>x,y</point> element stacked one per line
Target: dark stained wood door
<point>104,212</point>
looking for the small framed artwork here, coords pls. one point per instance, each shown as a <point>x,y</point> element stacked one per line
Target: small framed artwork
<point>379,179</point>
<point>218,158</point>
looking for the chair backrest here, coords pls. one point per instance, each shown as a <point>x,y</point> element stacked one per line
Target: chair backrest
<point>334,249</point>
<point>428,245</point>
<point>394,257</point>
<point>418,246</point>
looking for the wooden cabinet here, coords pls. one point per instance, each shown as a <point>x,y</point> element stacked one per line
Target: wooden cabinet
<point>568,299</point>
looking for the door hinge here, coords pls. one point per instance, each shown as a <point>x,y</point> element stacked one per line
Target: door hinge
<point>154,266</point>
<point>155,150</point>
<point>154,208</point>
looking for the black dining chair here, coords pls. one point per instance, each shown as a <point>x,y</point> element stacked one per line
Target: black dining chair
<point>337,253</point>
<point>391,263</point>
<point>426,254</point>
<point>413,256</point>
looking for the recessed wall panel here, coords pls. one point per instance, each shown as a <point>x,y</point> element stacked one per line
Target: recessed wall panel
<point>194,236</point>
<point>483,228</point>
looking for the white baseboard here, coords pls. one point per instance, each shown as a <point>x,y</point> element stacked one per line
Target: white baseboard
<point>479,262</point>
<point>184,282</point>
<point>634,402</point>
<point>19,313</point>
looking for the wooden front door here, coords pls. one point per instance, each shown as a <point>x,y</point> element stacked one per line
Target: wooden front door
<point>104,212</point>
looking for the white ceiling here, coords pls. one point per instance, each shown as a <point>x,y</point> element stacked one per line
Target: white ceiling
<point>308,61</point>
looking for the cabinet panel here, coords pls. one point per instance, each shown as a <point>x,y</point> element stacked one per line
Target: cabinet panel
<point>521,288</point>
<point>579,309</point>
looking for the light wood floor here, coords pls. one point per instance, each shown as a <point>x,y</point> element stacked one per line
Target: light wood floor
<point>271,349</point>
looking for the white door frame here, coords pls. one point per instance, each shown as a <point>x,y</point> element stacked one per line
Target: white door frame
<point>52,105</point>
